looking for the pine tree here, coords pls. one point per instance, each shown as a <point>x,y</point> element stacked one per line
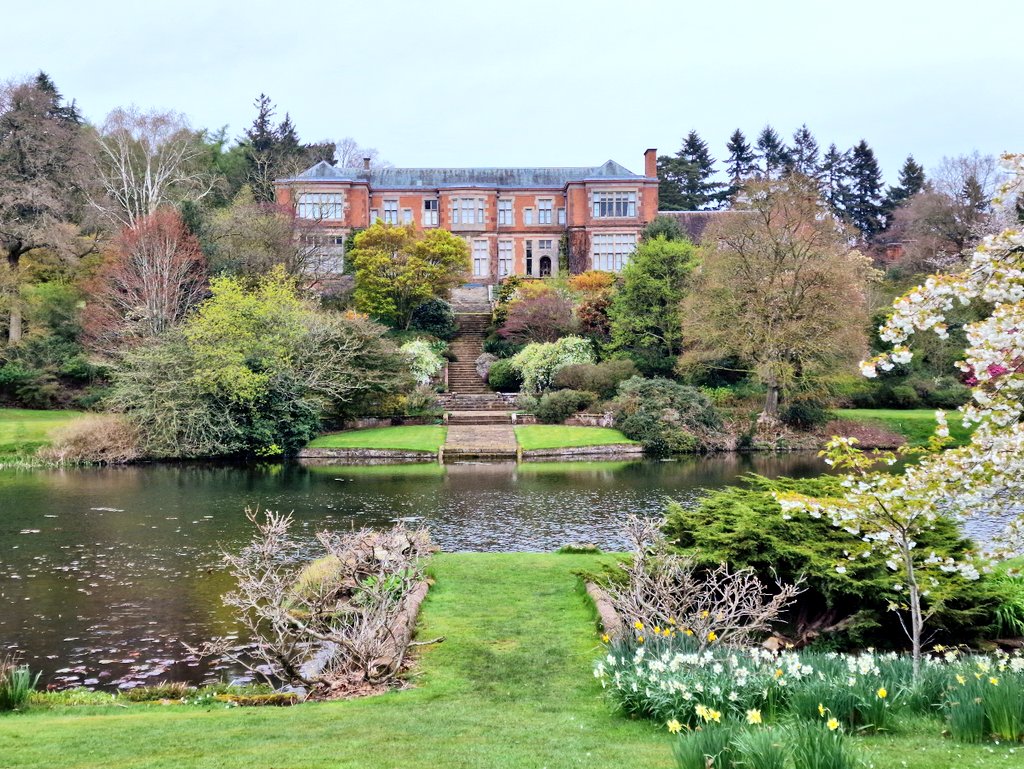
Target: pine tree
<point>911,182</point>
<point>865,204</point>
<point>696,167</point>
<point>803,157</point>
<point>835,184</point>
<point>741,163</point>
<point>261,143</point>
<point>772,153</point>
<point>670,186</point>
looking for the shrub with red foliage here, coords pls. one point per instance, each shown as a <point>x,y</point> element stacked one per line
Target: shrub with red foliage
<point>152,277</point>
<point>543,318</point>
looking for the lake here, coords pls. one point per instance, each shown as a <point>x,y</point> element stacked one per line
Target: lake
<point>105,571</point>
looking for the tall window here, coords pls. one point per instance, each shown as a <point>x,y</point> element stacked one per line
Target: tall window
<point>319,205</point>
<point>504,258</point>
<point>406,216</point>
<point>529,257</point>
<point>374,215</point>
<point>481,259</point>
<point>544,211</point>
<point>390,212</point>
<point>527,216</point>
<point>505,215</point>
<point>561,216</point>
<point>611,252</point>
<point>430,209</point>
<point>467,211</point>
<point>614,204</point>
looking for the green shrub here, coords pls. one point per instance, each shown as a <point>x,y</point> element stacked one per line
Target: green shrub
<point>162,691</point>
<point>435,316</point>
<point>496,344</point>
<point>600,378</point>
<point>424,358</point>
<point>539,362</point>
<point>555,407</point>
<point>664,416</point>
<point>904,397</point>
<point>16,683</point>
<point>504,377</point>
<point>745,527</point>
<point>805,414</point>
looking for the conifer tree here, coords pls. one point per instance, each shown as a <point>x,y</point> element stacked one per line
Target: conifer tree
<point>911,182</point>
<point>670,187</point>
<point>803,157</point>
<point>697,167</point>
<point>741,163</point>
<point>865,201</point>
<point>772,153</point>
<point>835,184</point>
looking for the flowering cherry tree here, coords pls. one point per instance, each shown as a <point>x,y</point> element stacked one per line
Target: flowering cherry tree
<point>985,477</point>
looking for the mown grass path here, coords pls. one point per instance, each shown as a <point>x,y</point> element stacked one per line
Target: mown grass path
<point>511,687</point>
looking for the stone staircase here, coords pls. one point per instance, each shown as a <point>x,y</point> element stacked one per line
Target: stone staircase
<point>467,347</point>
<point>478,418</point>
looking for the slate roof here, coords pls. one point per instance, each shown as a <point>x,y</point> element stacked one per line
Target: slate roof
<point>413,178</point>
<point>694,223</point>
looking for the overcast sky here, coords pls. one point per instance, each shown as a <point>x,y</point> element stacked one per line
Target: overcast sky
<point>555,82</point>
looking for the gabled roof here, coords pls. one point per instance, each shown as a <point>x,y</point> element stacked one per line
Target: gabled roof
<point>413,178</point>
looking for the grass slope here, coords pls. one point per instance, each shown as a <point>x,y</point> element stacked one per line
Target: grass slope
<point>511,687</point>
<point>22,431</point>
<point>566,436</point>
<point>916,425</point>
<point>406,437</point>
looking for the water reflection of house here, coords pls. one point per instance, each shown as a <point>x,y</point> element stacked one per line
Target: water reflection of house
<point>516,220</point>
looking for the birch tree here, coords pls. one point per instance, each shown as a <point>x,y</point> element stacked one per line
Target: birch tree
<point>145,160</point>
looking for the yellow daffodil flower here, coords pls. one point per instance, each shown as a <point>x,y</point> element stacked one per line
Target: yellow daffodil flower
<point>832,724</point>
<point>821,710</point>
<point>674,726</point>
<point>882,693</point>
<point>712,636</point>
<point>754,717</point>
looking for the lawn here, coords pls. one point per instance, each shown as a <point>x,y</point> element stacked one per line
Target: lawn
<point>511,686</point>
<point>406,437</point>
<point>916,425</point>
<point>22,431</point>
<point>566,436</point>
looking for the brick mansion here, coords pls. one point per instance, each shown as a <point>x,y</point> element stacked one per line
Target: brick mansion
<point>516,220</point>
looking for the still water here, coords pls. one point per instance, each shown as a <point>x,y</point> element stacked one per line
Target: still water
<point>105,572</point>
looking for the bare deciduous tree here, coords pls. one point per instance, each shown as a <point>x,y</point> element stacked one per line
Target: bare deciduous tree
<point>338,625</point>
<point>350,155</point>
<point>155,274</point>
<point>667,590</point>
<point>144,160</point>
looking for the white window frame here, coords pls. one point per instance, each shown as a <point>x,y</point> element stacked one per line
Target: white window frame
<point>374,215</point>
<point>561,215</point>
<point>320,206</point>
<point>391,211</point>
<point>481,259</point>
<point>545,206</point>
<point>610,251</point>
<point>467,211</point>
<point>505,258</point>
<point>430,214</point>
<point>406,216</point>
<point>506,212</point>
<point>614,204</point>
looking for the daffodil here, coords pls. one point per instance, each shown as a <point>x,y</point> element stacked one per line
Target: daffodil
<point>753,716</point>
<point>993,680</point>
<point>960,679</point>
<point>674,726</point>
<point>821,710</point>
<point>639,639</point>
<point>605,638</point>
<point>882,693</point>
<point>832,724</point>
<point>712,636</point>
<point>638,625</point>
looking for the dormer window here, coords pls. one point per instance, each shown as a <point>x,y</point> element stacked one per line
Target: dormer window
<point>614,205</point>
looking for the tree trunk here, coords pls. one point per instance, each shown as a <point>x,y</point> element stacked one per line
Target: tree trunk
<point>14,330</point>
<point>916,615</point>
<point>771,401</point>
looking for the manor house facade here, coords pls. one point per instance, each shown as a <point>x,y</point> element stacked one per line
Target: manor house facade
<point>516,220</point>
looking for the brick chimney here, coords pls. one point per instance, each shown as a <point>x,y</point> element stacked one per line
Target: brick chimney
<point>651,163</point>
<point>366,164</point>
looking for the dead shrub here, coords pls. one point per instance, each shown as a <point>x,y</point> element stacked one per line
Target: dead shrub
<point>105,439</point>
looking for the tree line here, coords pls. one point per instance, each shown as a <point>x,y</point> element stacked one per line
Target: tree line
<point>850,180</point>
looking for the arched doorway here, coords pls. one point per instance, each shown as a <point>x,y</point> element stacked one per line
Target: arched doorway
<point>545,266</point>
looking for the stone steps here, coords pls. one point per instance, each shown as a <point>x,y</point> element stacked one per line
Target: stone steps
<point>479,418</point>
